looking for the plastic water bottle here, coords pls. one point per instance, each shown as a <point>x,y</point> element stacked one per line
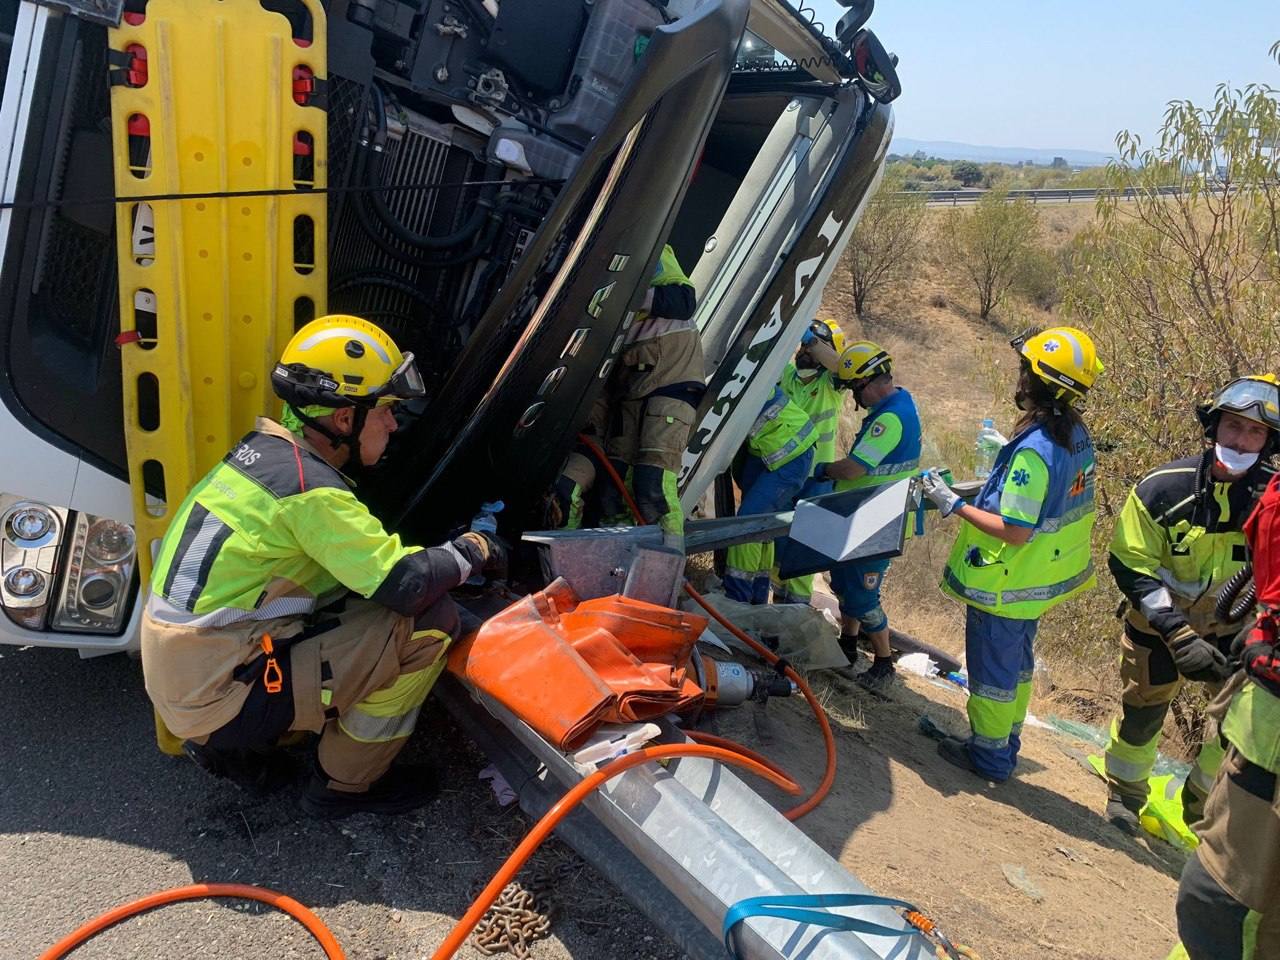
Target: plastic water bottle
<point>988,446</point>
<point>486,521</point>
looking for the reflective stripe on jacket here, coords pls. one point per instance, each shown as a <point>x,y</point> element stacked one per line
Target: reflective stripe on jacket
<point>822,401</point>
<point>1022,582</point>
<point>272,527</point>
<point>781,432</point>
<point>904,458</point>
<point>1178,539</point>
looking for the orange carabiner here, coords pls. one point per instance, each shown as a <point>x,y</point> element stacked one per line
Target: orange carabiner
<point>272,675</point>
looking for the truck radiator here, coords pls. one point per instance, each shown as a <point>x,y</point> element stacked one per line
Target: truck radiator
<point>405,298</point>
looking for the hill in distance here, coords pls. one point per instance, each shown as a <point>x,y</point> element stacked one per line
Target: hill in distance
<point>949,150</point>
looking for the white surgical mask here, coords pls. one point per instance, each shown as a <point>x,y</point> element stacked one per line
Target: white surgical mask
<point>1232,461</point>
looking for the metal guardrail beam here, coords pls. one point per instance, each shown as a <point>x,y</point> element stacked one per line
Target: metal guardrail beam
<point>1059,195</point>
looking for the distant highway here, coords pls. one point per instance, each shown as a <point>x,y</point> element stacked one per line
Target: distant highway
<point>955,198</point>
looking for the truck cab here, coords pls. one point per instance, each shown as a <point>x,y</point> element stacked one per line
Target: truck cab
<point>500,179</point>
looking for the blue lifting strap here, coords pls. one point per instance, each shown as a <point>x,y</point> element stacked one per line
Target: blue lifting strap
<point>797,908</point>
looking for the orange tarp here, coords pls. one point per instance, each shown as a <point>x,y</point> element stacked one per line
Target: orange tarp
<point>565,666</point>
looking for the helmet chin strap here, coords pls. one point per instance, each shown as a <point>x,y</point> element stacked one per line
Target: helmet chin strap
<point>350,440</point>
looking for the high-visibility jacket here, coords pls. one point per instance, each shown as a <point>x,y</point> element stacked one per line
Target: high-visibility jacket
<point>272,528</point>
<point>1252,723</point>
<point>887,444</point>
<point>662,348</point>
<point>668,270</point>
<point>822,401</point>
<point>782,431</point>
<point>1022,582</point>
<point>1178,539</point>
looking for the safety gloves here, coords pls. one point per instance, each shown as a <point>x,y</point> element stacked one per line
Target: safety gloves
<point>935,488</point>
<point>492,551</point>
<point>1195,657</point>
<point>1261,660</point>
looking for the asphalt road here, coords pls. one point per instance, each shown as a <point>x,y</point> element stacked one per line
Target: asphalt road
<point>92,815</point>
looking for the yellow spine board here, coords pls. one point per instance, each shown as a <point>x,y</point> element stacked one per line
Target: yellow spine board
<point>217,114</point>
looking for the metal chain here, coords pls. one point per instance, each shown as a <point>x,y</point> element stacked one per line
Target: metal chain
<point>511,924</point>
<point>521,915</point>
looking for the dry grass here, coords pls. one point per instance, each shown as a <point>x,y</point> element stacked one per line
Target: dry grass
<point>960,370</point>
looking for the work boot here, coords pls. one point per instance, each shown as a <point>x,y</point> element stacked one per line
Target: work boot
<point>849,647</point>
<point>260,773</point>
<point>399,790</point>
<point>1122,815</point>
<point>878,677</point>
<point>956,753</point>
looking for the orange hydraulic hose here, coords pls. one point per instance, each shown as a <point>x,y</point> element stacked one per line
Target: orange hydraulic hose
<point>542,829</point>
<point>199,891</point>
<point>769,657</point>
<point>711,740</point>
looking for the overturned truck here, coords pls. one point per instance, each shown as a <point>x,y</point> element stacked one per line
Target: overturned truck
<point>186,182</point>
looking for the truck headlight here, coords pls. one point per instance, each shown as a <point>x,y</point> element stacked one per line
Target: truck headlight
<point>109,541</point>
<point>62,570</point>
<point>24,583</point>
<point>29,526</point>
<point>94,594</point>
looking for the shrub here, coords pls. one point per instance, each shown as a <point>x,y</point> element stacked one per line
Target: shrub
<point>988,245</point>
<point>1037,278</point>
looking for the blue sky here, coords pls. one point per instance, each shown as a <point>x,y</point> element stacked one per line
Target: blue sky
<point>1063,73</point>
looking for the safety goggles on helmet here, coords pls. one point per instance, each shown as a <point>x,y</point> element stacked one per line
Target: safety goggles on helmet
<point>404,384</point>
<point>1254,398</point>
<point>828,331</point>
<point>302,386</point>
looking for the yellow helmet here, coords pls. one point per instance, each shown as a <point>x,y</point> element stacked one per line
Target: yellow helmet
<point>861,361</point>
<point>1255,397</point>
<point>344,361</point>
<point>1063,357</point>
<point>828,331</point>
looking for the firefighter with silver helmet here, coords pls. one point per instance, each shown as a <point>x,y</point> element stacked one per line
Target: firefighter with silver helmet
<point>1179,538</point>
<point>279,603</point>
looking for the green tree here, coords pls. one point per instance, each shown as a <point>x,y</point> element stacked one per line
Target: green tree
<point>1180,291</point>
<point>1180,285</point>
<point>967,172</point>
<point>989,245</point>
<point>885,244</point>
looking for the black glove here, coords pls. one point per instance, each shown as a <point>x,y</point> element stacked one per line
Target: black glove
<point>1197,658</point>
<point>1261,661</point>
<point>495,559</point>
<point>492,552</point>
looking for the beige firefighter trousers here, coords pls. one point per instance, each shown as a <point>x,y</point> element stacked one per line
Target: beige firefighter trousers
<point>359,680</point>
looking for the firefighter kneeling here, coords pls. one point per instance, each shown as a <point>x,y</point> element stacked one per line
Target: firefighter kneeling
<point>251,629</point>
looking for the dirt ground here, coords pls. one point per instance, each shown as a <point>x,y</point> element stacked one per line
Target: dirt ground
<point>93,816</point>
<point>910,825</point>
<point>83,829</point>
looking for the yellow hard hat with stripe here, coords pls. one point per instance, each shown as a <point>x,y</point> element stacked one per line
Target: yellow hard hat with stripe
<point>1064,358</point>
<point>344,361</point>
<point>862,360</point>
<point>829,332</point>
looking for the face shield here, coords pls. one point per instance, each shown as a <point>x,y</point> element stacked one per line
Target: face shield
<point>1254,399</point>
